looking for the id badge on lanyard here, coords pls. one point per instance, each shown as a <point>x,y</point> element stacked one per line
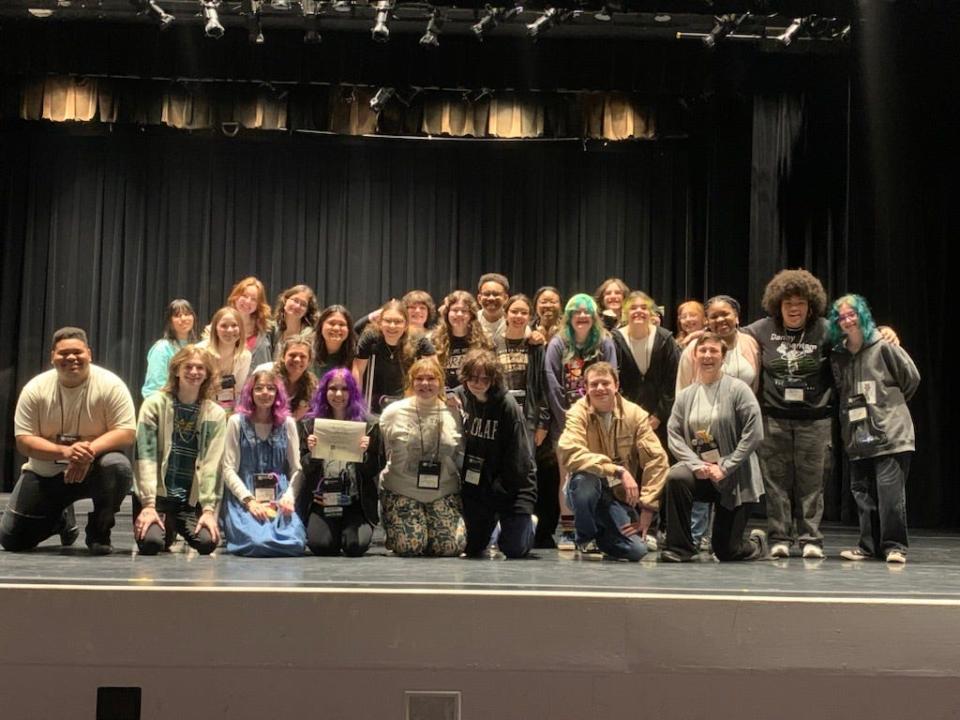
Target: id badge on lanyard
<point>708,451</point>
<point>265,487</point>
<point>428,475</point>
<point>472,468</point>
<point>856,408</point>
<point>793,389</point>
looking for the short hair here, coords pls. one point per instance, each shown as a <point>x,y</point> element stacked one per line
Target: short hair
<point>175,308</point>
<point>864,317</point>
<point>429,365</point>
<point>68,333</point>
<point>788,283</point>
<point>309,315</point>
<point>598,293</point>
<point>215,320</point>
<point>422,297</point>
<point>263,308</point>
<point>709,336</point>
<point>632,299</point>
<point>494,277</point>
<point>477,361</point>
<point>356,405</point>
<point>182,355</point>
<point>602,368</point>
<point>281,404</point>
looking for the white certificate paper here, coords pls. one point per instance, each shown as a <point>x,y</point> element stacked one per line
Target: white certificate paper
<point>338,439</point>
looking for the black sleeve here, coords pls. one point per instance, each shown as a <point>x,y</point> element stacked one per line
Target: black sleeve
<point>360,325</point>
<point>425,347</point>
<point>366,345</point>
<point>668,388</point>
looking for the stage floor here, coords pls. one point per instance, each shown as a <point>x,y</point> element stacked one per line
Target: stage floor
<point>931,573</point>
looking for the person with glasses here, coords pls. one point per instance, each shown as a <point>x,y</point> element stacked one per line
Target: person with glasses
<point>294,316</point>
<point>499,480</point>
<point>420,484</point>
<point>385,353</point>
<point>493,289</point>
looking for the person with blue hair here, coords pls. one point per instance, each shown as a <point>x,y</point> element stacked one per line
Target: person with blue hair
<point>580,342</point>
<point>875,380</point>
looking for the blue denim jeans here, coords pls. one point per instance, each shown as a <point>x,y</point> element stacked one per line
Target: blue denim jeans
<point>877,485</point>
<point>598,516</point>
<point>699,520</point>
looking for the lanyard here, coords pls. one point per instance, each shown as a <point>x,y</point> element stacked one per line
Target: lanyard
<point>713,405</point>
<point>436,455</point>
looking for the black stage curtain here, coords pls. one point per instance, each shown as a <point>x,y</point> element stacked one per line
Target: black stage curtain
<point>102,231</point>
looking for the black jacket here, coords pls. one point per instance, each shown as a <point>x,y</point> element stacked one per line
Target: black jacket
<point>496,431</point>
<point>653,391</point>
<point>366,472</point>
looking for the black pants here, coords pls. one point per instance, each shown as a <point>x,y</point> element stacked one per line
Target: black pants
<point>329,534</point>
<point>178,518</point>
<point>547,508</point>
<point>37,503</point>
<point>481,515</point>
<point>728,525</point>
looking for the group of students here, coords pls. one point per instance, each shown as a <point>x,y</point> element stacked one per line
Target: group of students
<point>493,420</point>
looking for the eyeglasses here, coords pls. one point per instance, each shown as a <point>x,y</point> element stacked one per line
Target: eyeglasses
<point>847,316</point>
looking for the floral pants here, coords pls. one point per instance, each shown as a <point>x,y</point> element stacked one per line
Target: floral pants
<point>418,528</point>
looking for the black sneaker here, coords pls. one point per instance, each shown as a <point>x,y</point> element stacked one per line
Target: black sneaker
<point>99,548</point>
<point>67,528</point>
<point>671,556</point>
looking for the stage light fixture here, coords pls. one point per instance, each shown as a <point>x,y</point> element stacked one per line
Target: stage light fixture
<point>311,11</point>
<point>342,6</point>
<point>381,30</point>
<point>791,32</point>
<point>431,36</point>
<point>725,24</point>
<point>486,23</point>
<point>543,23</point>
<point>381,98</point>
<point>251,9</point>
<point>213,28</point>
<point>280,4</point>
<point>153,8</point>
<point>605,13</point>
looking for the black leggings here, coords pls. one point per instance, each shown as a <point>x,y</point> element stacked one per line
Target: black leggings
<point>329,534</point>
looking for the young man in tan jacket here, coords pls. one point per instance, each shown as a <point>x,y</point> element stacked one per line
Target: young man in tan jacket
<point>617,468</point>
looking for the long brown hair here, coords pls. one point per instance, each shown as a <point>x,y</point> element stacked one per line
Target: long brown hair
<point>476,337</point>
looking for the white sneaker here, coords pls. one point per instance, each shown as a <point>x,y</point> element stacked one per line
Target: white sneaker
<point>896,557</point>
<point>567,542</point>
<point>780,550</point>
<point>855,554</point>
<point>811,551</point>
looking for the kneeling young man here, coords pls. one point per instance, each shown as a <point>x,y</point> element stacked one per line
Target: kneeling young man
<point>606,444</point>
<point>73,424</point>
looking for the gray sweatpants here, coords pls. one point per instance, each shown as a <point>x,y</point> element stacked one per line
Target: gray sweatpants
<point>793,454</point>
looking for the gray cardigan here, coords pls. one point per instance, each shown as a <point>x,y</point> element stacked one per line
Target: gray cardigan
<point>737,429</point>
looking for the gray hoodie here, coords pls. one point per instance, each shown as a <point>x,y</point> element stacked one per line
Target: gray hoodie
<point>891,379</point>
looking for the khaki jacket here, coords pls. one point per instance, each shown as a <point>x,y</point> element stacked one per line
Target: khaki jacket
<point>587,446</point>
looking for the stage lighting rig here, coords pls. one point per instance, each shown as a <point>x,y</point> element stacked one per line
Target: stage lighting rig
<point>213,28</point>
<point>311,17</point>
<point>788,35</point>
<point>551,16</point>
<point>381,98</point>
<point>605,13</point>
<point>431,36</point>
<point>251,8</point>
<point>381,30</point>
<point>725,24</point>
<point>151,7</point>
<point>492,16</point>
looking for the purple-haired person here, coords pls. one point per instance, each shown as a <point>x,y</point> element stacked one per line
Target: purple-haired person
<point>261,469</point>
<point>339,504</point>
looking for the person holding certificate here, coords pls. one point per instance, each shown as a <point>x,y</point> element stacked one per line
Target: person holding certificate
<point>420,490</point>
<point>261,470</point>
<point>714,431</point>
<point>339,504</point>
